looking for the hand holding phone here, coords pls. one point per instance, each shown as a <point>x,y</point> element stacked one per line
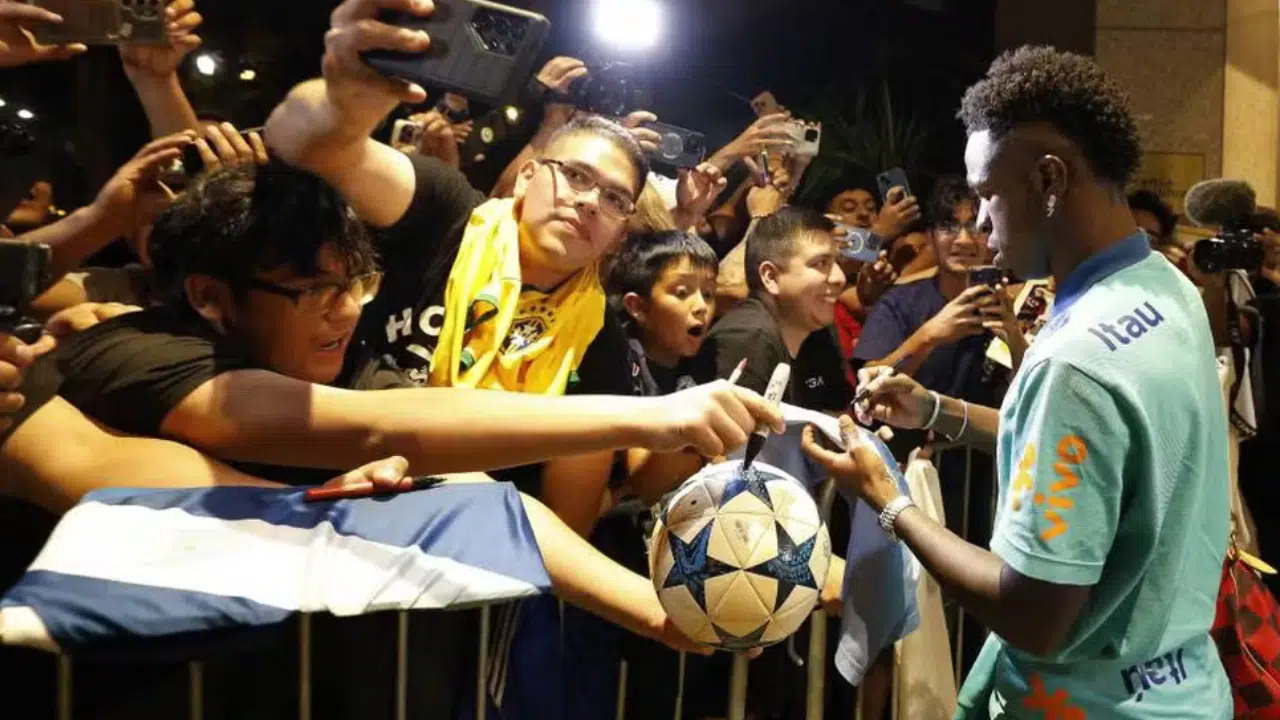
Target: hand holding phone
<point>480,49</point>
<point>103,22</point>
<point>677,147</point>
<point>18,22</point>
<point>890,179</point>
<point>960,318</point>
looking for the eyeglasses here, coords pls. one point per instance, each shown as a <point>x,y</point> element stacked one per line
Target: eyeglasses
<point>320,298</point>
<point>953,229</point>
<point>613,202</point>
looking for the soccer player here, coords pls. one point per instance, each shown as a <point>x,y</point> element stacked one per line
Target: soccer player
<point>1112,514</point>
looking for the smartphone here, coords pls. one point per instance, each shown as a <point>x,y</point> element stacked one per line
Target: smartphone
<point>479,49</point>
<point>807,137</point>
<point>680,148</point>
<point>765,104</point>
<point>858,243</point>
<point>103,22</point>
<point>991,276</point>
<point>890,179</point>
<point>405,132</point>
<point>24,274</point>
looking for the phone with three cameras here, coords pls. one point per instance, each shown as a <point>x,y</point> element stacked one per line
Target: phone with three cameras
<point>482,50</point>
<point>103,22</point>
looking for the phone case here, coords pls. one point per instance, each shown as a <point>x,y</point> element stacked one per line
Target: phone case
<point>680,148</point>
<point>103,22</point>
<point>479,49</point>
<point>890,179</point>
<point>858,244</point>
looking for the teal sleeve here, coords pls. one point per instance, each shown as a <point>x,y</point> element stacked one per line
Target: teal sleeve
<point>1063,502</point>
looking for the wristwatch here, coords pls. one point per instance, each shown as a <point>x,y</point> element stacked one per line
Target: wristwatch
<point>889,515</point>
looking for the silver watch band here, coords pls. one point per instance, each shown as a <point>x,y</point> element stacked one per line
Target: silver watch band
<point>889,515</point>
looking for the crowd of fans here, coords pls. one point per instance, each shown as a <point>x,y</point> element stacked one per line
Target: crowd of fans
<point>317,299</point>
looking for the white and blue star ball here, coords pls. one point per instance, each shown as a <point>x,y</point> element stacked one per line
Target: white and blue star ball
<point>738,559</point>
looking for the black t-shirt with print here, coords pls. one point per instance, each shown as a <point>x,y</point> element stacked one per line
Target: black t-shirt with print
<point>750,331</point>
<point>400,328</point>
<point>131,371</point>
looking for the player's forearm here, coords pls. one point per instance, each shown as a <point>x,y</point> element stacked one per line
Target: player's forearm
<point>308,130</point>
<point>1022,614</point>
<point>981,429</point>
<point>583,576</point>
<point>165,103</point>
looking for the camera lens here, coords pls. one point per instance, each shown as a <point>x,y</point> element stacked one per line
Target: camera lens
<point>811,135</point>
<point>672,145</point>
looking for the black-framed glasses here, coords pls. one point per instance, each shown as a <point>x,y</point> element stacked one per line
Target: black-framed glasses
<point>614,202</point>
<point>953,229</point>
<point>319,298</point>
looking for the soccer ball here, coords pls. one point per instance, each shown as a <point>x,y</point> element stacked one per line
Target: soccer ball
<point>738,558</point>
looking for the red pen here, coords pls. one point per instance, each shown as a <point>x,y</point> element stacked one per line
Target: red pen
<point>368,489</point>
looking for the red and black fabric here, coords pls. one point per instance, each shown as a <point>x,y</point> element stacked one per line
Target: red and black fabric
<point>1247,632</point>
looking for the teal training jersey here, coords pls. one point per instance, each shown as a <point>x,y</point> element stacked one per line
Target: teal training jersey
<point>1112,459</point>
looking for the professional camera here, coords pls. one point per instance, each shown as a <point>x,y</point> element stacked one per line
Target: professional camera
<point>611,89</point>
<point>1229,205</point>
<point>24,274</point>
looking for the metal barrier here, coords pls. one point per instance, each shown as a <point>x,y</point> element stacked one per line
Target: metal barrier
<point>816,663</point>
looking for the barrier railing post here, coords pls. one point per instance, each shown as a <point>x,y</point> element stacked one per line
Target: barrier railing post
<point>482,665</point>
<point>304,666</point>
<point>816,672</point>
<point>738,689</point>
<point>402,665</point>
<point>620,713</point>
<point>64,687</point>
<point>964,533</point>
<point>195,690</point>
<point>678,713</point>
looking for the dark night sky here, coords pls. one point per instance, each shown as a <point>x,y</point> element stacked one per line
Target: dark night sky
<point>811,53</point>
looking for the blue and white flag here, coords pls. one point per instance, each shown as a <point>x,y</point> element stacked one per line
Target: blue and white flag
<point>879,578</point>
<point>132,567</point>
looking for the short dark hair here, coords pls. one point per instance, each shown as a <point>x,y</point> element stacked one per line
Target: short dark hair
<point>948,192</point>
<point>234,222</point>
<point>776,237</point>
<point>642,258</point>
<point>617,135</point>
<point>1150,201</point>
<point>1067,91</point>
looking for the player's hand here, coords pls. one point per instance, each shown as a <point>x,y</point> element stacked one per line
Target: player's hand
<point>713,419</point>
<point>18,46</point>
<point>79,318</point>
<point>962,317</point>
<point>383,475</point>
<point>15,357</point>
<point>899,212</point>
<point>353,87</point>
<point>892,398</point>
<point>161,61</point>
<point>858,469</point>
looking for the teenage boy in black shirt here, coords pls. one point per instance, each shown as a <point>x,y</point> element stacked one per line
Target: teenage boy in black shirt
<point>793,282</point>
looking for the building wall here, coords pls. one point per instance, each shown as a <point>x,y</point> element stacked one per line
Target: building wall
<point>1251,145</point>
